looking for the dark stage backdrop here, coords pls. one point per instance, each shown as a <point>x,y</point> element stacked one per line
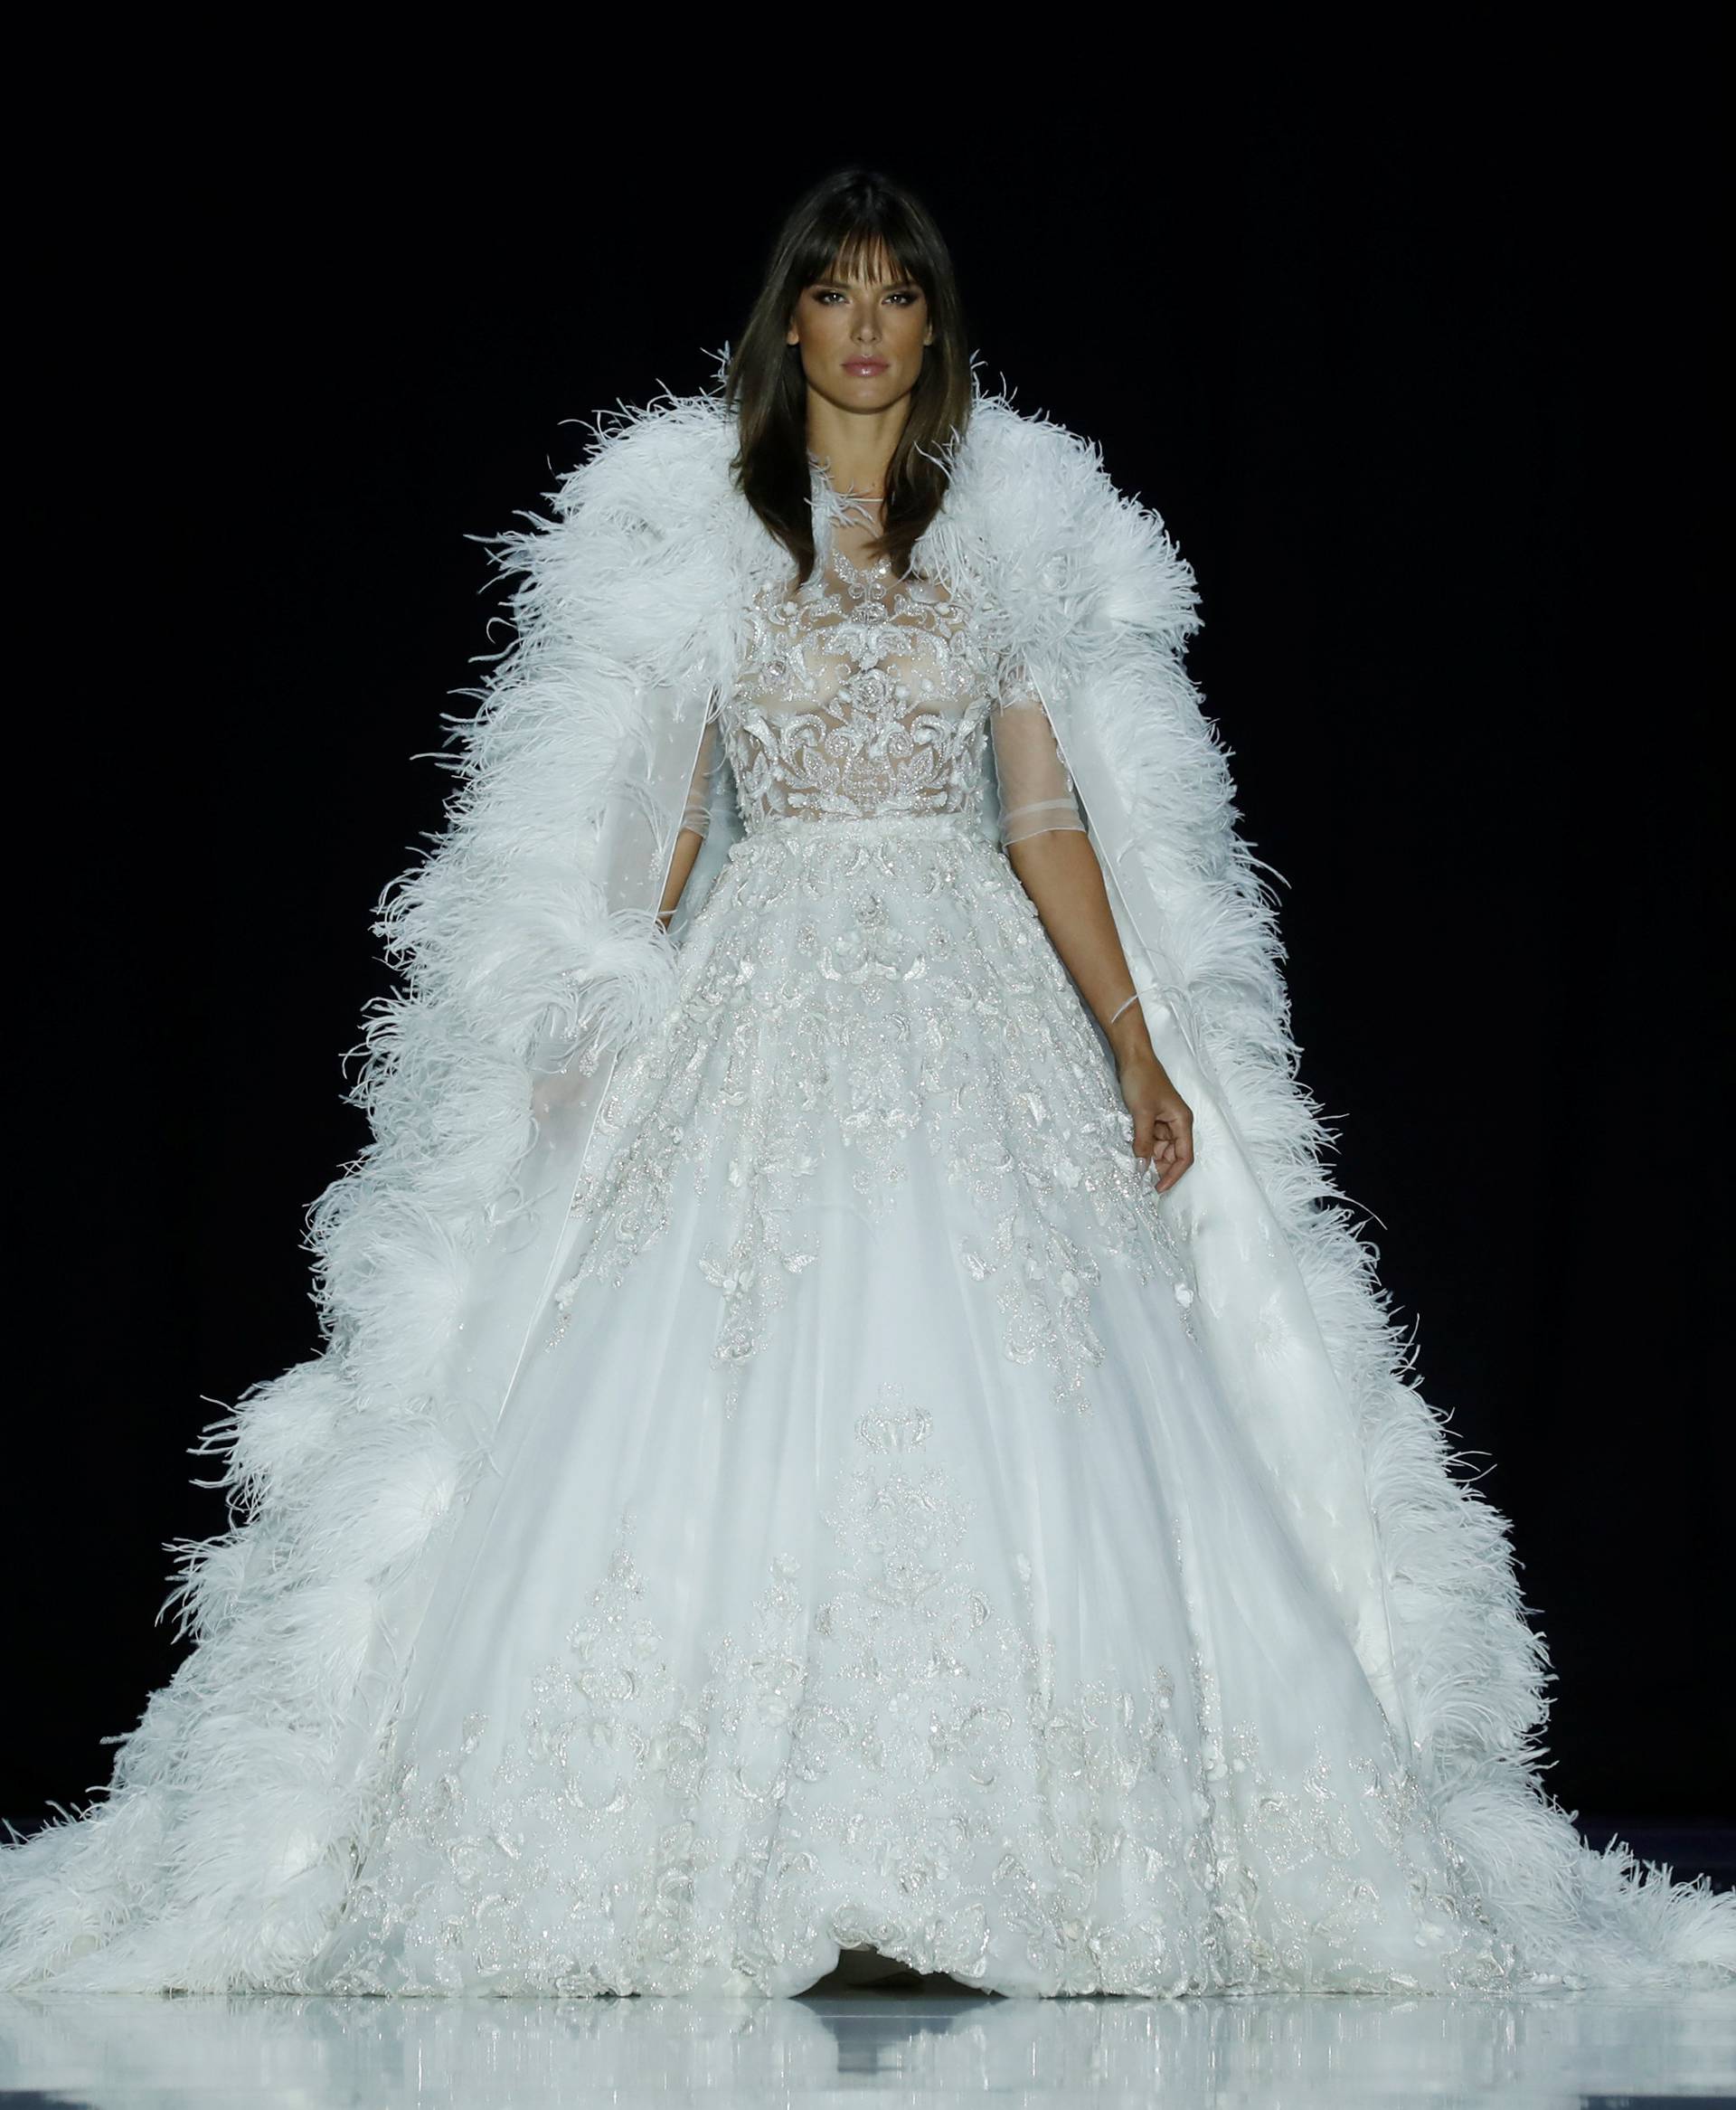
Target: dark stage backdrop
<point>1425,397</point>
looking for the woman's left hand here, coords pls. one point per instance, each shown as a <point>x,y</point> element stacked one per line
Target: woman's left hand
<point>1162,1121</point>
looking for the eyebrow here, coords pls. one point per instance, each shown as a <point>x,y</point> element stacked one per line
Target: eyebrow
<point>885,286</point>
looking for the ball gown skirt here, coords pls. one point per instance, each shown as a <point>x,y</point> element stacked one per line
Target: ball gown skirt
<point>867,1561</point>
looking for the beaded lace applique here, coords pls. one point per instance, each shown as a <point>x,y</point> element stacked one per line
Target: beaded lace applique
<point>868,994</point>
<point>859,695</point>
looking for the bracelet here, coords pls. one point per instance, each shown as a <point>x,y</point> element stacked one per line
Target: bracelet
<point>1120,1008</point>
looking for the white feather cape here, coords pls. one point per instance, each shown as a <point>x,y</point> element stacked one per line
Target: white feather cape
<point>530,955</point>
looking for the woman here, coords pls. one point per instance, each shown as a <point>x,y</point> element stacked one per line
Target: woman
<point>848,1429</point>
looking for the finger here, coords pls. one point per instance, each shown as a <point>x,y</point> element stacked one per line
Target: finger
<point>1163,1154</point>
<point>1181,1157</point>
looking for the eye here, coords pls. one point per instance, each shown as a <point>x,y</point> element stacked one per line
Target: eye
<point>826,293</point>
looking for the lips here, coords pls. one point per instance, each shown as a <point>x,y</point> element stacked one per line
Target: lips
<point>865,367</point>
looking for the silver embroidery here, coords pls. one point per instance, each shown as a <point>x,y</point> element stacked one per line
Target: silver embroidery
<point>902,1771</point>
<point>870,986</point>
<point>860,695</point>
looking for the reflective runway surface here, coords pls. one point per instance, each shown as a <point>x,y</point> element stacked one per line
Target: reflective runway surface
<point>922,2048</point>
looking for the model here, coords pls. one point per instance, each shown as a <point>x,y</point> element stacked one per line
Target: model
<point>852,1419</point>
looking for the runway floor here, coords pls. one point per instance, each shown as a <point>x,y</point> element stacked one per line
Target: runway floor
<point>923,2046</point>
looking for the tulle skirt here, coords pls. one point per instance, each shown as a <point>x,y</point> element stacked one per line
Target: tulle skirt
<point>867,1559</point>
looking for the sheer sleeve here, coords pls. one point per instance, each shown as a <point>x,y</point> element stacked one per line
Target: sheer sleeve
<point>1036,791</point>
<point>696,815</point>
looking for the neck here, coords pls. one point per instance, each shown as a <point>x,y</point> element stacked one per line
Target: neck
<point>855,448</point>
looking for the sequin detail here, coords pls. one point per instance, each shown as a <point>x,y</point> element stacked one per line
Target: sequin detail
<point>884,1756</point>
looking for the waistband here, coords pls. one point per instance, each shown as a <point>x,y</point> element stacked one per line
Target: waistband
<point>801,828</point>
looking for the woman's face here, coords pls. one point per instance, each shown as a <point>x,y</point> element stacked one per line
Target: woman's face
<point>862,338</point>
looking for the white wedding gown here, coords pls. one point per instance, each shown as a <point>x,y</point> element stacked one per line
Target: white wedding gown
<point>868,1560</point>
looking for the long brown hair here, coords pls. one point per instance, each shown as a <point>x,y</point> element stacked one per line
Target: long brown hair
<point>844,223</point>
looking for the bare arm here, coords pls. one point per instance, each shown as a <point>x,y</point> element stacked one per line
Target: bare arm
<point>1059,871</point>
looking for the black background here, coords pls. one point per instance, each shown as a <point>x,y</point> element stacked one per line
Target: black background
<point>1421,381</point>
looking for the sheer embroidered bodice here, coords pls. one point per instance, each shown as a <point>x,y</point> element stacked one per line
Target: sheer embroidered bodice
<point>863,695</point>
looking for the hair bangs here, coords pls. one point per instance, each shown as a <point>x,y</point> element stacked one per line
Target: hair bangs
<point>865,254</point>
